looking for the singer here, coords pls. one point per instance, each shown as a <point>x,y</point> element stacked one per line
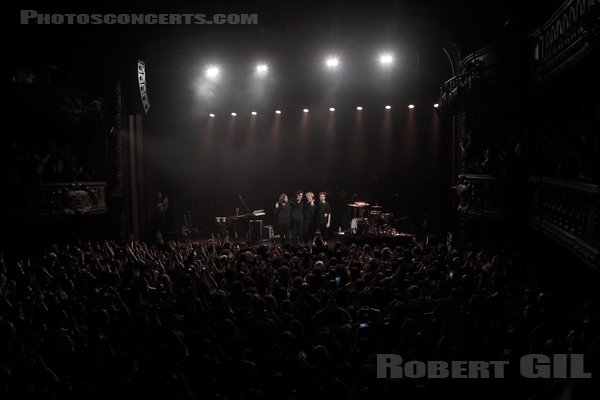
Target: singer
<point>323,215</point>
<point>310,212</point>
<point>283,210</point>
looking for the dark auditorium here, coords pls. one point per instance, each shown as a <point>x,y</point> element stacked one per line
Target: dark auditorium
<point>300,200</point>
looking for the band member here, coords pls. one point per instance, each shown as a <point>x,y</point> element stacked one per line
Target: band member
<point>162,205</point>
<point>283,210</point>
<point>297,216</point>
<point>310,212</point>
<point>323,215</point>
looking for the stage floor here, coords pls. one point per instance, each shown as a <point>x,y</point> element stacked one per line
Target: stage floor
<point>398,239</point>
<point>392,240</point>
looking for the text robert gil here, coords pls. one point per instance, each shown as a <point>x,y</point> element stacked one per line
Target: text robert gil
<point>530,366</point>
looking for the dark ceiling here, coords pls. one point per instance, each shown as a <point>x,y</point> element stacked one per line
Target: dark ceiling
<point>293,36</point>
<point>296,28</point>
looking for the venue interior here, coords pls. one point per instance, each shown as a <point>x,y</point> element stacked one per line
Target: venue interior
<point>301,200</point>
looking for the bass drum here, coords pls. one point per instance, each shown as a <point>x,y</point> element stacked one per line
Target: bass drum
<point>358,226</point>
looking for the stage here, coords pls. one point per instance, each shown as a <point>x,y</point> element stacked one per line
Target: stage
<point>392,240</point>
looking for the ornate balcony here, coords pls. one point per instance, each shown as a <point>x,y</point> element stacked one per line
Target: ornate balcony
<point>569,213</point>
<point>566,212</point>
<point>568,35</point>
<point>480,197</point>
<point>485,77</point>
<point>64,199</point>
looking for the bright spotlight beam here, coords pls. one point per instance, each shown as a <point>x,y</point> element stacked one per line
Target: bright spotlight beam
<point>332,62</point>
<point>212,72</point>
<point>386,59</point>
<point>262,69</point>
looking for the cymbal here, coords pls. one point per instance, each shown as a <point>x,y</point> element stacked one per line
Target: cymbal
<point>361,204</point>
<point>353,205</point>
<point>377,206</point>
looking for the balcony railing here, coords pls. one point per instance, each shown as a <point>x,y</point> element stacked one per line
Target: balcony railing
<point>64,199</point>
<point>482,77</point>
<point>569,213</point>
<point>566,36</point>
<point>566,212</point>
<point>480,197</point>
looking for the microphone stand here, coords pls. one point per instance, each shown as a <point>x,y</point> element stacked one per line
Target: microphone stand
<point>244,203</point>
<point>248,214</point>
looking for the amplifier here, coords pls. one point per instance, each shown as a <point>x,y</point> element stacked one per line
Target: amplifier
<point>256,227</point>
<point>268,232</point>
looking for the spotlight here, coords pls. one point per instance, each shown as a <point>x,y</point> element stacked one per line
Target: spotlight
<point>233,114</point>
<point>411,106</point>
<point>436,105</point>
<point>359,108</point>
<point>262,69</point>
<point>254,113</point>
<point>332,62</point>
<point>386,59</point>
<point>212,72</point>
<point>331,109</point>
<point>277,111</point>
<point>305,110</point>
<point>388,107</point>
<point>211,115</point>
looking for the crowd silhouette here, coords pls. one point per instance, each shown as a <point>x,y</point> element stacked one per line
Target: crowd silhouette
<point>191,320</point>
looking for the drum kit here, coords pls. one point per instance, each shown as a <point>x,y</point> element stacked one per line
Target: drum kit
<point>370,219</point>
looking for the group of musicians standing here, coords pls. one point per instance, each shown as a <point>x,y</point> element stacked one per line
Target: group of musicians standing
<point>301,218</point>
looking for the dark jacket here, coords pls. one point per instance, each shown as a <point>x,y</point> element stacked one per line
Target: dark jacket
<point>297,209</point>
<point>284,213</point>
<point>323,211</point>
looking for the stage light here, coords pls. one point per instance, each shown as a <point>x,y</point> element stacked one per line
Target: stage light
<point>254,113</point>
<point>386,59</point>
<point>332,62</point>
<point>233,114</point>
<point>277,111</point>
<point>305,110</point>
<point>388,107</point>
<point>331,109</point>
<point>262,69</point>
<point>212,72</point>
<point>411,106</point>
<point>436,105</point>
<point>211,115</point>
<point>359,108</point>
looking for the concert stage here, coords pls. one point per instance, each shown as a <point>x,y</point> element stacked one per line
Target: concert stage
<point>391,240</point>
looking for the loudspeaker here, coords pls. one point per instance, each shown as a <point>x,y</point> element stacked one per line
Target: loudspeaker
<point>268,232</point>
<point>255,233</point>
